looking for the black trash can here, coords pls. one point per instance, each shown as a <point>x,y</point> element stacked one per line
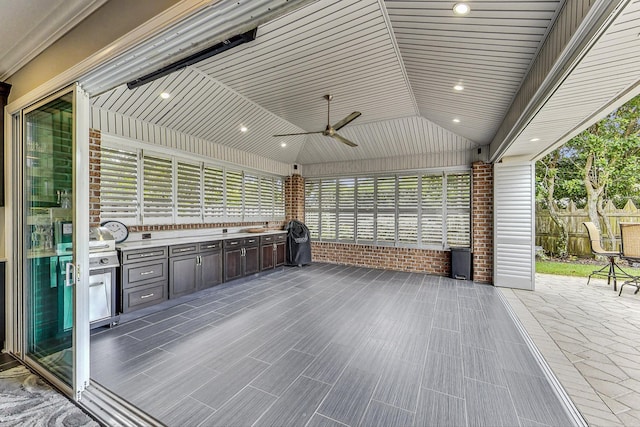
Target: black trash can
<point>461,263</point>
<point>298,244</point>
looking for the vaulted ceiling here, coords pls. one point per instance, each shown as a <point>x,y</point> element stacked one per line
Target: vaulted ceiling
<point>397,62</point>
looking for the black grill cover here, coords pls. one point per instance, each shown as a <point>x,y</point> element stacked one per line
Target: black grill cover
<point>298,244</point>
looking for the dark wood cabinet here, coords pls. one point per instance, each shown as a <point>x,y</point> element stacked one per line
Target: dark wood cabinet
<point>241,257</point>
<point>272,251</point>
<point>143,278</point>
<point>193,267</point>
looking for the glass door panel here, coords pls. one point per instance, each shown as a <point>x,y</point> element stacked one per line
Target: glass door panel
<point>47,234</point>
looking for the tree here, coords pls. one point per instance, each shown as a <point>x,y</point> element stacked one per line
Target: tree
<point>546,174</point>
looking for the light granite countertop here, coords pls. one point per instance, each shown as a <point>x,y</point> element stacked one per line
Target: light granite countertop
<point>142,244</point>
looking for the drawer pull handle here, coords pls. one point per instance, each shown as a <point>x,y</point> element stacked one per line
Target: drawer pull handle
<point>186,249</point>
<point>149,254</point>
<point>233,243</point>
<point>146,296</point>
<point>210,246</point>
<point>251,240</point>
<point>147,272</point>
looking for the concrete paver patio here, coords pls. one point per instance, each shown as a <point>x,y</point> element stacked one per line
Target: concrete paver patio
<point>590,338</point>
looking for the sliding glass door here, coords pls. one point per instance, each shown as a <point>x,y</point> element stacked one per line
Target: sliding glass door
<point>54,240</point>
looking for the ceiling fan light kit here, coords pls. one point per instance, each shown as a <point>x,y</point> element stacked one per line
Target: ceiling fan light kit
<point>331,130</point>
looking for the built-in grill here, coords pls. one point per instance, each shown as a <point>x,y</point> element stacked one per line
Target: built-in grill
<point>103,261</point>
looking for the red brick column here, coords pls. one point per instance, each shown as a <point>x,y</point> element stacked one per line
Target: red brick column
<point>95,140</point>
<point>294,197</point>
<point>482,221</point>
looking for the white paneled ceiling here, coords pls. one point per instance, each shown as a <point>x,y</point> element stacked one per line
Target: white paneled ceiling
<point>488,52</point>
<point>608,75</point>
<point>394,61</point>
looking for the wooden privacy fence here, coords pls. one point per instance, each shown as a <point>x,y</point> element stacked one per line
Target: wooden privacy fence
<point>547,232</point>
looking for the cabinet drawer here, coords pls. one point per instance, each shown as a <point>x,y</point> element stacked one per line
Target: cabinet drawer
<point>137,274</point>
<point>280,237</point>
<point>186,249</point>
<point>233,243</point>
<point>265,240</point>
<point>251,241</point>
<point>143,296</point>
<point>143,255</point>
<point>210,246</point>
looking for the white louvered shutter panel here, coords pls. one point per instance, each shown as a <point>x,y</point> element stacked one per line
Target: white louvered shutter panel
<point>157,207</point>
<point>233,195</point>
<point>408,197</point>
<point>346,209</point>
<point>213,194</point>
<point>432,203</point>
<point>312,207</point>
<point>365,200</point>
<point>328,209</point>
<point>278,199</point>
<point>266,197</point>
<point>514,217</point>
<point>386,209</point>
<point>459,210</point>
<point>119,185</point>
<point>188,193</point>
<point>251,197</point>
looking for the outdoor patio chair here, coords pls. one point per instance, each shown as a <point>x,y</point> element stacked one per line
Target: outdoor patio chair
<point>609,270</point>
<point>630,237</point>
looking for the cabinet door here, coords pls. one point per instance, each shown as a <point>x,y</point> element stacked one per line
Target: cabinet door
<point>266,257</point>
<point>182,275</point>
<point>251,260</point>
<point>232,264</point>
<point>210,269</point>
<point>280,253</point>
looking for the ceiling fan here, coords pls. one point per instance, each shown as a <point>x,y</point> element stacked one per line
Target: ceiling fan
<point>331,130</point>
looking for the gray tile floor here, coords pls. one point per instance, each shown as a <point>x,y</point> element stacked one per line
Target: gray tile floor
<point>329,345</point>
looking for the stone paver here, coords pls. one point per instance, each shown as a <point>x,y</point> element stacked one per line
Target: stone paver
<point>590,338</point>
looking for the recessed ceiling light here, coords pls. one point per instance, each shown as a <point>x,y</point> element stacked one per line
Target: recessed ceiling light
<point>243,129</point>
<point>458,87</point>
<point>534,139</point>
<point>284,144</point>
<point>461,9</point>
<point>165,95</point>
<point>456,120</point>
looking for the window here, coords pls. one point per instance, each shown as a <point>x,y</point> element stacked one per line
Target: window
<point>397,210</point>
<point>119,185</point>
<point>140,187</point>
<point>157,200</point>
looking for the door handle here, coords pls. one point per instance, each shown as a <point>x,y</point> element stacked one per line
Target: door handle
<point>70,274</point>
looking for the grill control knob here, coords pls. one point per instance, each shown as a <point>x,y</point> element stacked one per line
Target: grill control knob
<point>104,261</point>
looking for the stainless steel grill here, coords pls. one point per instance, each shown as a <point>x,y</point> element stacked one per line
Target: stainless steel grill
<point>103,261</point>
<point>102,249</point>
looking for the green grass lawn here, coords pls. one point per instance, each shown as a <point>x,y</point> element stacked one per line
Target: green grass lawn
<point>573,269</point>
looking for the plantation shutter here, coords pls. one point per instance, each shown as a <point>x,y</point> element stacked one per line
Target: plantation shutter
<point>514,216</point>
<point>365,200</point>
<point>328,199</point>
<point>266,197</point>
<point>157,207</point>
<point>251,197</point>
<point>408,196</point>
<point>119,185</point>
<point>386,209</point>
<point>278,199</point>
<point>188,192</point>
<point>312,207</point>
<point>431,205</point>
<point>213,193</point>
<point>234,208</point>
<point>458,210</point>
<point>346,209</point>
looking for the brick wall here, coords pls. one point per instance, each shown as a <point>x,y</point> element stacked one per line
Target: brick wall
<point>389,258</point>
<point>482,222</point>
<point>294,197</point>
<point>94,199</point>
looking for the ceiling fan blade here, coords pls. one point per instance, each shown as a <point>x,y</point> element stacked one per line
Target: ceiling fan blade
<point>351,117</point>
<point>343,140</point>
<point>300,133</point>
